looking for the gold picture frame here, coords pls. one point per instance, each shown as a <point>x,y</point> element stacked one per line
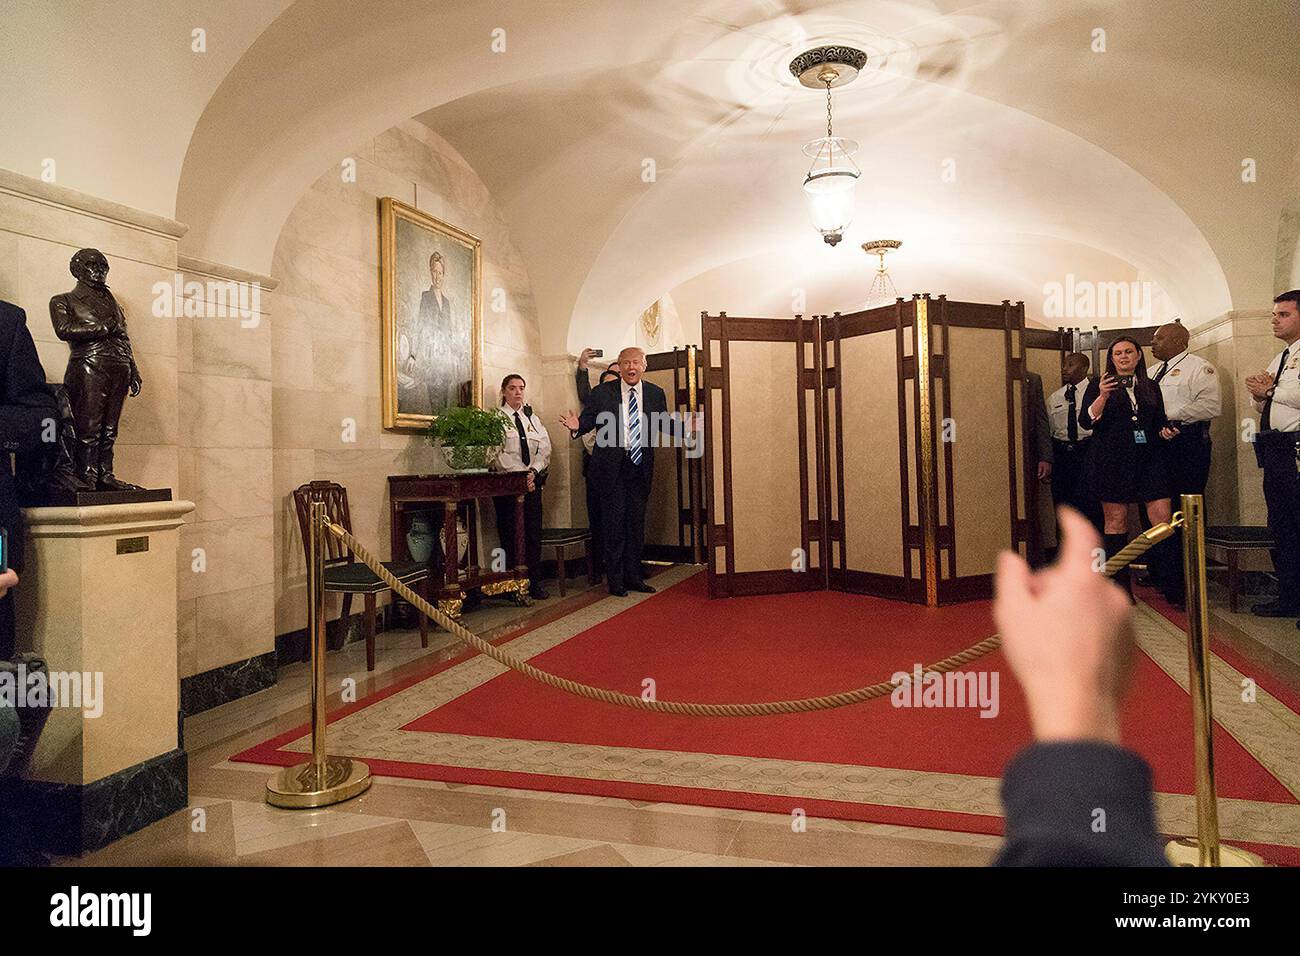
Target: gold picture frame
<point>432,342</point>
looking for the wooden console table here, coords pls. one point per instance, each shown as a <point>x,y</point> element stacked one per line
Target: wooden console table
<point>450,492</point>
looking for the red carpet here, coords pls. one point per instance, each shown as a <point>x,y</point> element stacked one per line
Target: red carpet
<point>764,648</point>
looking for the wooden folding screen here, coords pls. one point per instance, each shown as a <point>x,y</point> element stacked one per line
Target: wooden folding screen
<point>900,418</point>
<point>764,474</point>
<point>675,511</point>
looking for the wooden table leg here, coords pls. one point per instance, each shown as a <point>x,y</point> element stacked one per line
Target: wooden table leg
<point>370,630</point>
<point>1234,580</point>
<point>450,591</point>
<point>521,566</point>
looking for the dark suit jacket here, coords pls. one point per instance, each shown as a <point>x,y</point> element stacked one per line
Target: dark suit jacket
<point>25,406</point>
<point>1038,427</point>
<point>1054,795</point>
<point>605,404</point>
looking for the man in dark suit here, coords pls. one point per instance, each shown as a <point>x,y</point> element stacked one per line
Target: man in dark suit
<point>1038,458</point>
<point>28,414</point>
<point>623,413</point>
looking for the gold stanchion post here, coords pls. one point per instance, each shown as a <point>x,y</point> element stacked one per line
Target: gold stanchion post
<point>323,780</point>
<point>1203,849</point>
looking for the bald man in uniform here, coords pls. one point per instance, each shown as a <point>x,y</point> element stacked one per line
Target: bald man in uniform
<point>1189,386</point>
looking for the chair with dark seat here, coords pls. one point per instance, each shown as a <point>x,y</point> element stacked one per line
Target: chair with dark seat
<point>1233,540</point>
<point>346,575</point>
<point>561,539</point>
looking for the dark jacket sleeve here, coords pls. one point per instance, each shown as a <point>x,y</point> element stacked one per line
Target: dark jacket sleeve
<point>26,404</point>
<point>1042,424</point>
<point>1090,395</point>
<point>1157,418</point>
<point>583,380</point>
<point>591,408</point>
<point>1079,804</point>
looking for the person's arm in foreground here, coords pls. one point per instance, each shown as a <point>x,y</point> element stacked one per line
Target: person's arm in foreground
<point>1075,797</point>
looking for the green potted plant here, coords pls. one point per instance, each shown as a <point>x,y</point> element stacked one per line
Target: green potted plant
<point>470,438</point>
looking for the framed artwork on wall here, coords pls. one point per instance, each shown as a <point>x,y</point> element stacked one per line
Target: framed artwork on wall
<point>430,281</point>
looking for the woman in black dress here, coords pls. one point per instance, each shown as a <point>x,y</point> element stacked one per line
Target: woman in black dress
<point>1126,413</point>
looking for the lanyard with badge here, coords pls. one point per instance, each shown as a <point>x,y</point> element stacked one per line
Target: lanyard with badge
<point>1139,434</point>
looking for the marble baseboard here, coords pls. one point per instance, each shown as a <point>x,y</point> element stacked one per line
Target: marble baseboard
<point>69,819</point>
<point>221,685</point>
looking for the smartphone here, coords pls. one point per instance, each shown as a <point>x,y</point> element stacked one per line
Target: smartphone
<point>597,353</point>
<point>1124,381</point>
<point>4,550</point>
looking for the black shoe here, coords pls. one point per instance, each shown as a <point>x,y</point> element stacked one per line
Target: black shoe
<point>1274,609</point>
<point>538,593</point>
<point>642,587</point>
<point>618,592</point>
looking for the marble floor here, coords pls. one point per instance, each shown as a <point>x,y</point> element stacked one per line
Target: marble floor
<point>401,822</point>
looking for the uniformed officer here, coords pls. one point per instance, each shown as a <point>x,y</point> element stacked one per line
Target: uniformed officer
<point>1275,393</point>
<point>1190,388</point>
<point>527,448</point>
<point>1070,441</point>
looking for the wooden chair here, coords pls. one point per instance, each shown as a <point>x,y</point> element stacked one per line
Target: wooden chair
<point>346,575</point>
<point>561,539</point>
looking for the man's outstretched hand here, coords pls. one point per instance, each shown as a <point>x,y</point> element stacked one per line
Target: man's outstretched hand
<point>570,421</point>
<point>1068,634</point>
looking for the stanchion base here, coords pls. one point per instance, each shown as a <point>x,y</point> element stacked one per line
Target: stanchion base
<point>1187,852</point>
<point>300,787</point>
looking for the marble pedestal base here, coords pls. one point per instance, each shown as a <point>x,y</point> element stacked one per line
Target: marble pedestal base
<point>97,601</point>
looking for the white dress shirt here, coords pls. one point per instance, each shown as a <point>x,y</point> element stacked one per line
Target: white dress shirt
<point>1284,416</point>
<point>640,407</point>
<point>539,442</point>
<point>1058,411</point>
<point>1190,388</point>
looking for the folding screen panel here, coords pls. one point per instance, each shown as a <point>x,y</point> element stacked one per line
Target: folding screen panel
<point>869,433</point>
<point>763,447</point>
<point>977,361</point>
<point>675,511</point>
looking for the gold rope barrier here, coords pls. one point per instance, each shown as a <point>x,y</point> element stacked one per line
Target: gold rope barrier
<point>1129,553</point>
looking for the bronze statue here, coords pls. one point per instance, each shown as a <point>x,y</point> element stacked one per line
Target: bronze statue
<point>101,369</point>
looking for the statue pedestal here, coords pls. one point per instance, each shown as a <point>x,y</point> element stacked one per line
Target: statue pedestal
<point>98,602</point>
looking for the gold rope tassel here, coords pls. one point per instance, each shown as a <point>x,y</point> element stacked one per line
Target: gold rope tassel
<point>1130,552</point>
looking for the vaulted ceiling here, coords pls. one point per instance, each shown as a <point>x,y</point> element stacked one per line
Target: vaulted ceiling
<point>1122,165</point>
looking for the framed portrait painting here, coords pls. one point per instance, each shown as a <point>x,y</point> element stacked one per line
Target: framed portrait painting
<point>430,277</point>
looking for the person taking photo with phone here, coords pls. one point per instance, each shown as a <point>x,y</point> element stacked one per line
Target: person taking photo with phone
<point>1126,413</point>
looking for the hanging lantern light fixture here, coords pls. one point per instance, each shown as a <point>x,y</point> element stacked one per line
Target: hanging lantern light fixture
<point>829,185</point>
<point>882,291</point>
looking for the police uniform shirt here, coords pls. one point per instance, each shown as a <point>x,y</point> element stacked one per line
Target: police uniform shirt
<point>1190,388</point>
<point>1284,415</point>
<point>539,442</point>
<point>1058,411</point>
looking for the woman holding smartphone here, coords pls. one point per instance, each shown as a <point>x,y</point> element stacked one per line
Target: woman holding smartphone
<point>1126,413</point>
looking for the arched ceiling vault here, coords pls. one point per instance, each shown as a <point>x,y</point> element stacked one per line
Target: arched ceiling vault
<point>1131,156</point>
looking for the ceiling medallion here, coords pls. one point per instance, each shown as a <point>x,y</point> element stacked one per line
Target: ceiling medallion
<point>841,63</point>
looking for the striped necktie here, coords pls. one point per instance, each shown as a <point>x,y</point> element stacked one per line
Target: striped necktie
<point>633,428</point>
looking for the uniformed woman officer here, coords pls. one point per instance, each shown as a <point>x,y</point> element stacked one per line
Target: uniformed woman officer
<point>1126,413</point>
<point>527,448</point>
